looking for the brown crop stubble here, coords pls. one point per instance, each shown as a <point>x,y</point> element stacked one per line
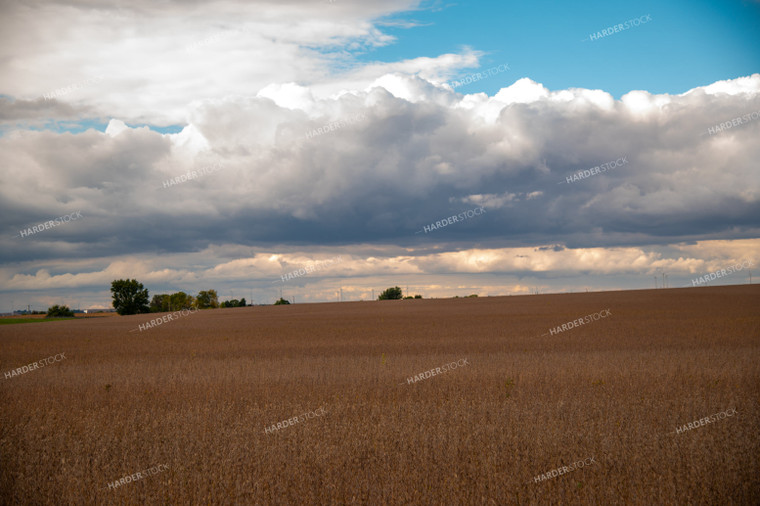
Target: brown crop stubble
<point>195,395</point>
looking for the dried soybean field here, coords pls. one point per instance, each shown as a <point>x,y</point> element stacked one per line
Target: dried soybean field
<point>361,403</point>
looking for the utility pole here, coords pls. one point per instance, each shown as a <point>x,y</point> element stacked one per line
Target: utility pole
<point>373,294</point>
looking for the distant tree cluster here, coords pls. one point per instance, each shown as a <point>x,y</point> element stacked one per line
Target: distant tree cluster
<point>395,293</point>
<point>233,303</point>
<point>59,312</point>
<point>131,297</point>
<point>207,299</point>
<point>164,302</point>
<point>281,302</point>
<point>390,294</point>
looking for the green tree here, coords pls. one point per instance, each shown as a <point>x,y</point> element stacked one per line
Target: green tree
<point>281,302</point>
<point>181,300</point>
<point>129,296</point>
<point>207,299</point>
<point>160,303</point>
<point>59,311</point>
<point>391,294</point>
<point>230,303</point>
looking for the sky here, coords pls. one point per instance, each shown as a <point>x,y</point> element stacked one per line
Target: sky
<point>559,147</point>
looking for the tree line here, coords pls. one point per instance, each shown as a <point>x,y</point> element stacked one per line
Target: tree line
<point>131,297</point>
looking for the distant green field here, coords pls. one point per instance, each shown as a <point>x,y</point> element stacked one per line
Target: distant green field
<point>11,321</point>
